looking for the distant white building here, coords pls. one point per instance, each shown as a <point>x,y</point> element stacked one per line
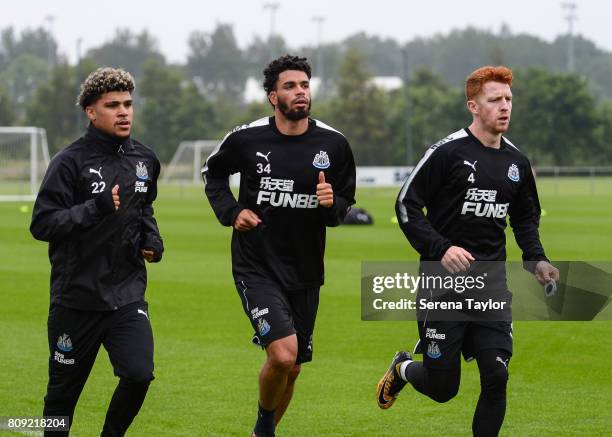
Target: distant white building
<point>254,92</point>
<point>387,83</point>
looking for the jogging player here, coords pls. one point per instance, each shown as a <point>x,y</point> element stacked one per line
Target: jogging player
<point>95,210</point>
<point>297,176</point>
<point>468,182</point>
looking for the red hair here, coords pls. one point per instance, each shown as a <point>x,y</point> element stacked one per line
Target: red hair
<point>476,80</point>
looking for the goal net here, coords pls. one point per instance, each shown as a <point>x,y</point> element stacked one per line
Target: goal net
<point>188,160</point>
<point>24,157</point>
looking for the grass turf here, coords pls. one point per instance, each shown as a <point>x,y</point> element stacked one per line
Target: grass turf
<point>206,370</point>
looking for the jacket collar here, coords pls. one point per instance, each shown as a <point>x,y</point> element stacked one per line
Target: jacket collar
<point>108,143</point>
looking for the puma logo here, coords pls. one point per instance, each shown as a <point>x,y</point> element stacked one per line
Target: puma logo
<point>505,363</point>
<point>470,164</point>
<point>264,156</point>
<point>98,171</point>
<point>143,313</point>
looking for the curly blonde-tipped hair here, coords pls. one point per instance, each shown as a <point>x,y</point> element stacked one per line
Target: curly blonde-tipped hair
<point>104,80</point>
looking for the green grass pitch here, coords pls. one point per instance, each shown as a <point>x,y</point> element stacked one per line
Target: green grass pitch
<point>206,369</point>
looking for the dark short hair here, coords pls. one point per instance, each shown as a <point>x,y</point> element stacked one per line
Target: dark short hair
<point>284,63</point>
<point>104,80</point>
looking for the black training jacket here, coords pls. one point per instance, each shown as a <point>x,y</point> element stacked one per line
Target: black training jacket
<point>278,179</point>
<point>95,250</point>
<point>468,190</point>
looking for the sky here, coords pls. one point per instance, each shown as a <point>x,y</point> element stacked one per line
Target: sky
<point>172,21</point>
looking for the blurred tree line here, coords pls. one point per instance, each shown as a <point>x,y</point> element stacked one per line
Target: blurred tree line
<point>559,118</point>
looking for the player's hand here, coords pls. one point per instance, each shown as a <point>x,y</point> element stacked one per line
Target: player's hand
<point>246,220</point>
<point>545,272</point>
<point>148,254</point>
<point>457,259</point>
<point>325,193</point>
<point>115,192</point>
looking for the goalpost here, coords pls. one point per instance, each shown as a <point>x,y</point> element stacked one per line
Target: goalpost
<point>188,160</point>
<point>24,157</point>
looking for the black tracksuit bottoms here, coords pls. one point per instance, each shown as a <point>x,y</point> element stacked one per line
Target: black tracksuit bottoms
<point>75,336</point>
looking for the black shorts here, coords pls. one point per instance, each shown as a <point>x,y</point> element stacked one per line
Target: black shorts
<point>276,313</point>
<point>443,342</point>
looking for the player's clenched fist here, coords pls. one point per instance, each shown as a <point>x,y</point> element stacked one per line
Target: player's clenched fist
<point>546,272</point>
<point>148,254</point>
<point>456,259</point>
<point>325,193</point>
<point>246,220</point>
